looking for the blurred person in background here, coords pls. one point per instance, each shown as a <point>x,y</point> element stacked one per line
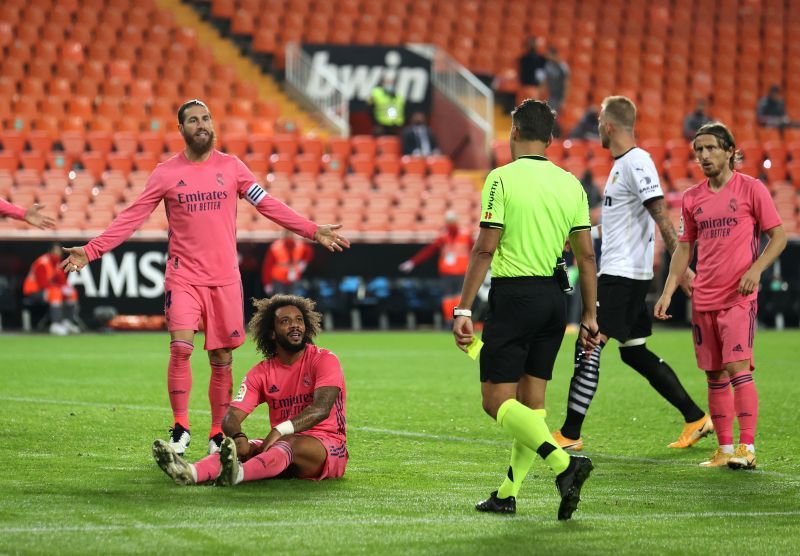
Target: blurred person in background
<point>286,260</point>
<point>388,108</point>
<point>771,110</point>
<point>418,138</point>
<point>695,120</point>
<point>46,283</point>
<point>531,65</point>
<point>453,246</point>
<point>556,77</point>
<point>586,128</point>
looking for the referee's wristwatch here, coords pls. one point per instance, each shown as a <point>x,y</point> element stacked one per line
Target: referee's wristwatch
<point>461,313</point>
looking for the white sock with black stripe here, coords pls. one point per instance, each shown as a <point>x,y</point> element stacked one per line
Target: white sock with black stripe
<point>582,387</point>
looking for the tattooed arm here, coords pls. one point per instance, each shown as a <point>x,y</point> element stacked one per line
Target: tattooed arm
<point>320,408</point>
<point>658,210</point>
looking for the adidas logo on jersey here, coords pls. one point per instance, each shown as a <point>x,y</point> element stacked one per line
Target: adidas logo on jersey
<point>235,334</point>
<point>272,389</point>
<point>699,211</point>
<point>181,183</point>
<point>738,347</point>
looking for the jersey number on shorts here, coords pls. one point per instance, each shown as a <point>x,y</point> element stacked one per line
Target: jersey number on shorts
<point>698,337</point>
<point>168,299</point>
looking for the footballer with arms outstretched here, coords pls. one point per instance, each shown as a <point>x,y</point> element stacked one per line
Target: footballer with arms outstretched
<point>200,188</point>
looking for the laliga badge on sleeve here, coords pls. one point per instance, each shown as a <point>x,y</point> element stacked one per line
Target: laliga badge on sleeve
<point>474,347</point>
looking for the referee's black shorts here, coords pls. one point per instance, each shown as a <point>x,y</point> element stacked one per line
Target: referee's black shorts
<point>523,330</point>
<point>622,312</point>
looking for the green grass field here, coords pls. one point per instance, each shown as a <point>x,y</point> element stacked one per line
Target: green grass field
<point>80,414</point>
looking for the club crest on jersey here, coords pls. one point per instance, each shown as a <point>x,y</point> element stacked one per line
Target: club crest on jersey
<point>307,380</point>
<point>733,205</point>
<point>220,181</point>
<point>241,393</point>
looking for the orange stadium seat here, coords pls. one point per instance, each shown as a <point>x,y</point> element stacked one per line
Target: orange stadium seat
<point>439,165</point>
<point>308,164</point>
<point>388,144</point>
<point>364,144</point>
<point>414,165</point>
<point>339,147</point>
<point>174,141</point>
<point>388,164</point>
<point>59,162</point>
<point>285,144</point>
<point>312,146</point>
<point>145,161</point>
<point>332,164</point>
<point>235,144</point>
<point>125,142</point>
<point>32,160</point>
<point>120,162</point>
<point>362,164</point>
<point>9,161</point>
<point>152,142</point>
<point>258,164</point>
<point>281,164</point>
<point>13,140</point>
<point>40,140</point>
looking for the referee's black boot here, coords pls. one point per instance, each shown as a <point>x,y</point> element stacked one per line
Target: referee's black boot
<point>569,483</point>
<point>498,505</point>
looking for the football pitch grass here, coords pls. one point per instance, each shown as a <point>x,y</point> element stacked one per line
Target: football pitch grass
<point>80,415</point>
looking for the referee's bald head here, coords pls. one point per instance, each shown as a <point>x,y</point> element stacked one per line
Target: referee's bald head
<point>533,120</point>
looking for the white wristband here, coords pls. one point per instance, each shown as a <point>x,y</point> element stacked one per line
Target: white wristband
<point>285,428</point>
<point>595,232</point>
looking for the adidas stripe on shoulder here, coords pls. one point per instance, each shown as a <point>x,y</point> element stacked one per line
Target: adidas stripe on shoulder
<point>254,194</point>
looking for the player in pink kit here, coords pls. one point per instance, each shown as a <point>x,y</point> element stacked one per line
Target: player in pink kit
<point>32,215</point>
<point>200,188</point>
<point>725,215</point>
<point>302,385</point>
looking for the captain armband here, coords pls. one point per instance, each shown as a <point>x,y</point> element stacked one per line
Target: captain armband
<point>255,193</point>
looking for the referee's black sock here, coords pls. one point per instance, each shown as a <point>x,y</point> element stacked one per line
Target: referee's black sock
<point>662,378</point>
<point>582,388</point>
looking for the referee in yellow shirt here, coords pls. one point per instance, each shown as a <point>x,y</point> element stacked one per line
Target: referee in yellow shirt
<point>529,209</point>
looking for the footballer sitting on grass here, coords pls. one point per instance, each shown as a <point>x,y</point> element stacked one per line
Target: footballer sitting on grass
<point>304,387</point>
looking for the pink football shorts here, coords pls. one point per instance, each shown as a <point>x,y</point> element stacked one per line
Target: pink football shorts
<point>220,308</point>
<point>724,336</point>
<point>335,463</point>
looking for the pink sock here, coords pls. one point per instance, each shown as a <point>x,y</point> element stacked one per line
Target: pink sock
<point>745,399</point>
<point>179,380</point>
<point>207,468</point>
<point>219,394</point>
<point>720,405</point>
<point>270,463</point>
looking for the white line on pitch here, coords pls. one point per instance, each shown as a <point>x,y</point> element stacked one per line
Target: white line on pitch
<point>407,434</point>
<point>444,520</point>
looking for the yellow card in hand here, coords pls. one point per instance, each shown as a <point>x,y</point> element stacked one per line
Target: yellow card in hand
<point>474,347</point>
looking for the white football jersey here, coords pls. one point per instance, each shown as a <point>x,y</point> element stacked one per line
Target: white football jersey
<point>628,229</point>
